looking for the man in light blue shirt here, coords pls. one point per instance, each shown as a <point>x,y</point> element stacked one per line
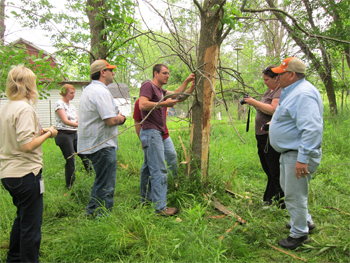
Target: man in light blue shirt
<point>296,132</point>
<point>98,120</point>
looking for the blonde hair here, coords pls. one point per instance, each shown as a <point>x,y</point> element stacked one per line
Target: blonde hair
<point>21,83</point>
<point>65,88</point>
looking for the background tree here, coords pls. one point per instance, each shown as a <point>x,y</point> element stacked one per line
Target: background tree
<point>98,27</point>
<point>2,21</point>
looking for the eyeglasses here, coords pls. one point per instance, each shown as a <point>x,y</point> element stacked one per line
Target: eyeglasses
<point>111,70</point>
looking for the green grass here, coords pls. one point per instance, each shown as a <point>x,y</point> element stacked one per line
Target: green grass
<point>138,235</point>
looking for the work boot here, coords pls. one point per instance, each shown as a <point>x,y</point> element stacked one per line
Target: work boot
<point>293,243</point>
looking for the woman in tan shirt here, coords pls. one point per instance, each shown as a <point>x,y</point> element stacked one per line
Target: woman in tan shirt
<point>21,138</point>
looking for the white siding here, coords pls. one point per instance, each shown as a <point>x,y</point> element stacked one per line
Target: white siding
<point>124,106</point>
<point>45,108</point>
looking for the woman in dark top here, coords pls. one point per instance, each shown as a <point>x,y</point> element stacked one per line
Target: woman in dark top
<point>269,158</point>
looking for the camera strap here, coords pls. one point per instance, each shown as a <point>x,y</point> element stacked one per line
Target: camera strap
<point>248,120</point>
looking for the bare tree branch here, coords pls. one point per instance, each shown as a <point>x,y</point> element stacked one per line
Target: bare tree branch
<point>72,46</point>
<point>220,7</point>
<point>243,5</point>
<point>198,6</point>
<point>249,10</point>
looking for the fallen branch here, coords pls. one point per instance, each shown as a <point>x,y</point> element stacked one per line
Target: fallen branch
<point>330,207</point>
<point>285,252</point>
<point>216,217</point>
<point>124,166</point>
<point>228,231</point>
<point>241,196</point>
<point>226,211</point>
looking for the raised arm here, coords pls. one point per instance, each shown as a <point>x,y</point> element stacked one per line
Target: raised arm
<point>183,86</point>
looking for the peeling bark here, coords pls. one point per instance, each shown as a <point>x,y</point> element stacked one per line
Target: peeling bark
<point>208,55</point>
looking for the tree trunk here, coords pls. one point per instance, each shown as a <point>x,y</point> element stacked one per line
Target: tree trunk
<point>207,61</point>
<point>347,53</point>
<point>324,72</point>
<point>95,11</point>
<point>2,22</point>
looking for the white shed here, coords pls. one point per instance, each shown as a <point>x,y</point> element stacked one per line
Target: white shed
<point>45,108</point>
<point>121,95</point>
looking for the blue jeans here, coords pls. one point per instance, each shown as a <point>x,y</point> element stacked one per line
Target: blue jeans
<point>105,165</point>
<point>25,235</point>
<point>296,192</point>
<point>153,171</point>
<point>170,156</point>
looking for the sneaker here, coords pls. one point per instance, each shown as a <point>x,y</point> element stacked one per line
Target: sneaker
<point>311,226</point>
<point>168,211</point>
<point>293,243</point>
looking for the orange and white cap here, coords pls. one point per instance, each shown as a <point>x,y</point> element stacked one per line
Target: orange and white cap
<point>290,64</point>
<point>100,64</point>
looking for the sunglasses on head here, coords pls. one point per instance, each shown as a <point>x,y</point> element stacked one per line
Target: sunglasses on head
<point>267,70</point>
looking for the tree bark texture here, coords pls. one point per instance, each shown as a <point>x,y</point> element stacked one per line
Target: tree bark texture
<point>95,11</point>
<point>2,21</point>
<point>324,70</point>
<point>207,61</point>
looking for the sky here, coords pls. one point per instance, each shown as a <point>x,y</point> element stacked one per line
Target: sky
<point>14,30</point>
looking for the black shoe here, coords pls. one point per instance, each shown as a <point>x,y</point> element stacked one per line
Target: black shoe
<point>293,243</point>
<point>311,226</point>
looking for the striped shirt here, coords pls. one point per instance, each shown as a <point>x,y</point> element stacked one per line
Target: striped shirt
<point>96,104</point>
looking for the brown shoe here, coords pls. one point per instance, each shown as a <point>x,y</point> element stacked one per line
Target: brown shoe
<point>168,211</point>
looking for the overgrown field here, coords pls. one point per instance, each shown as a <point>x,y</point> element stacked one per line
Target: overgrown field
<point>135,234</point>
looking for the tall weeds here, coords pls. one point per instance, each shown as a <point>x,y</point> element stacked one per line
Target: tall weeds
<point>132,233</point>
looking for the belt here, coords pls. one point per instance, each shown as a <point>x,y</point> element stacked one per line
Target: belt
<point>66,132</point>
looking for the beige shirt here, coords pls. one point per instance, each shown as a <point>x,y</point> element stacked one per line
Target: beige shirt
<point>18,126</point>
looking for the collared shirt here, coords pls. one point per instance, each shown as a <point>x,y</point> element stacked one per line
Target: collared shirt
<point>19,125</point>
<point>96,104</point>
<point>297,123</point>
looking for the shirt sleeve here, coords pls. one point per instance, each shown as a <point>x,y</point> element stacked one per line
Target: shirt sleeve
<point>59,105</point>
<point>146,90</point>
<point>25,127</point>
<point>310,124</point>
<point>137,112</point>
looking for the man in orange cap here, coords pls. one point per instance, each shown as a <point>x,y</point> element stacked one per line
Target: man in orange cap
<point>99,120</point>
<point>296,132</point>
